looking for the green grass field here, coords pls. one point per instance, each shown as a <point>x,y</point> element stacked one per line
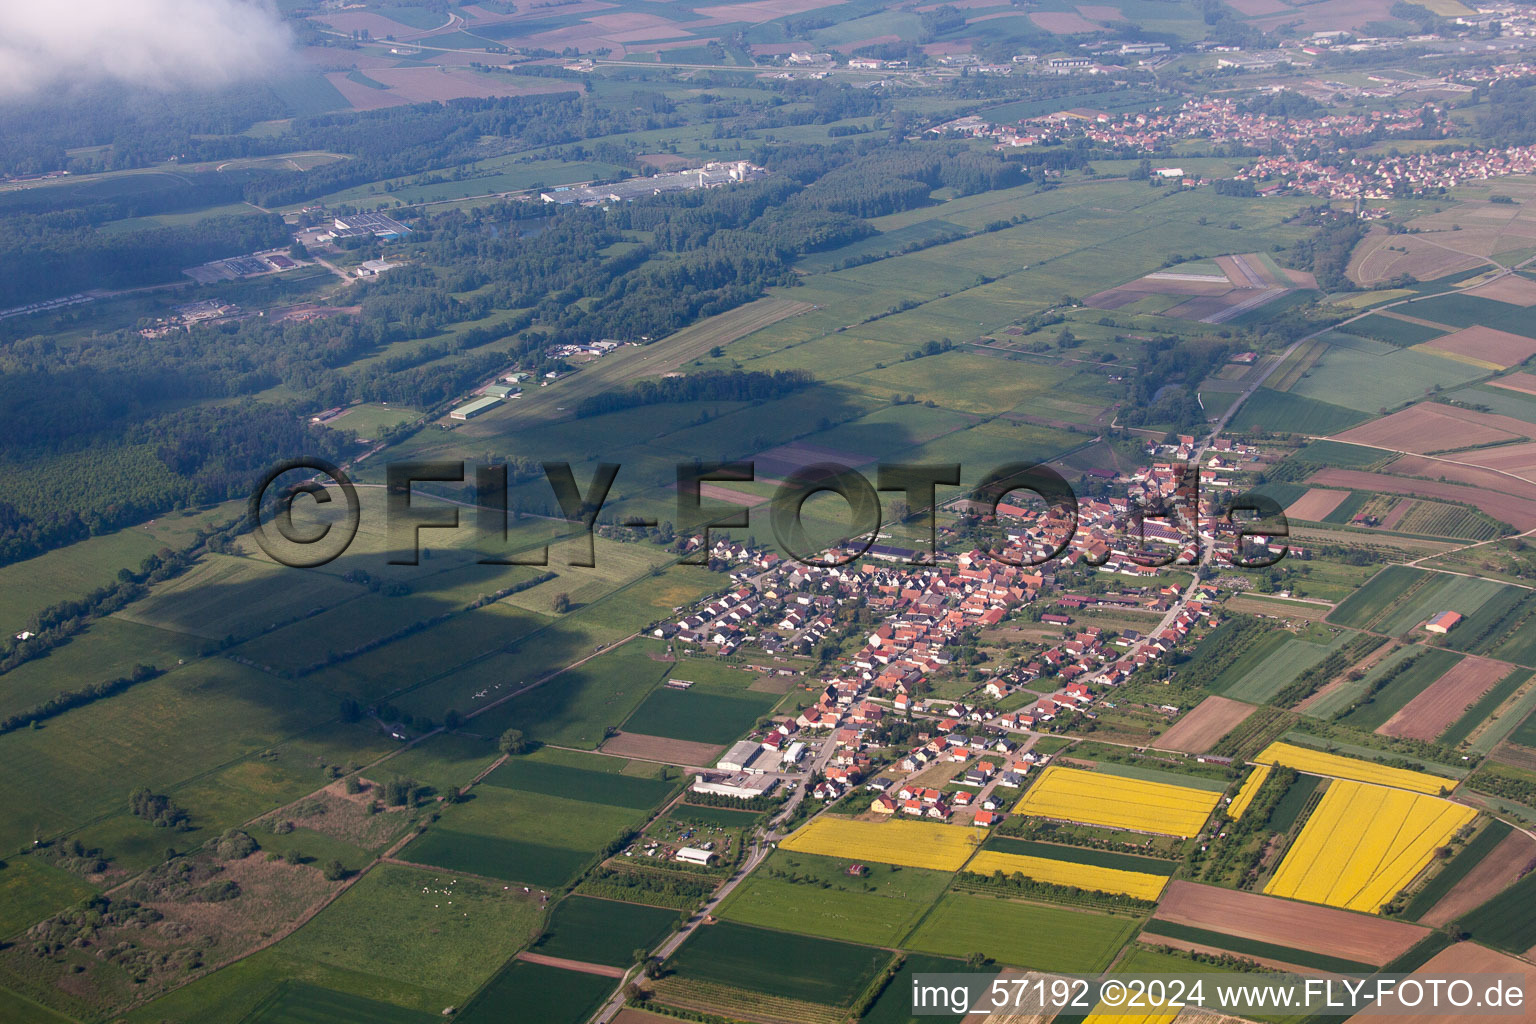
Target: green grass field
<point>295,1002</point>
<point>608,788</point>
<point>528,837</point>
<point>31,889</point>
<point>701,717</point>
<point>779,963</point>
<point>1461,310</point>
<point>576,707</point>
<point>227,596</point>
<point>1262,680</point>
<point>1291,413</point>
<point>1505,922</point>
<point>603,931</point>
<point>1469,857</point>
<point>535,992</point>
<point>1430,665</point>
<point>494,857</point>
<point>1393,331</point>
<point>894,1005</point>
<point>1022,934</point>
<point>1250,947</point>
<point>420,927</point>
<point>1366,605</point>
<point>1484,707</point>
<point>1443,592</point>
<point>1366,382</point>
<point>1292,804</point>
<point>815,895</point>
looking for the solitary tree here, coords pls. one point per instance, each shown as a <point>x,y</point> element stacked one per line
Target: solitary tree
<point>562,603</point>
<point>513,742</point>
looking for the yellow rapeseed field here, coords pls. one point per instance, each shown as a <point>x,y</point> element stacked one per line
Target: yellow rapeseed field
<point>1113,801</point>
<point>1316,762</point>
<point>1103,1015</point>
<point>1246,793</point>
<point>1363,843</point>
<point>1062,872</point>
<point>912,844</point>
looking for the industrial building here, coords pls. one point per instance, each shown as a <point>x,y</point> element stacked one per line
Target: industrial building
<point>357,225</point>
<point>711,175</point>
<point>742,787</point>
<point>742,757</point>
<point>470,410</point>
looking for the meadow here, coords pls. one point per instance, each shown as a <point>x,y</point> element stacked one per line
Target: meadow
<point>1367,605</point>
<point>805,893</point>
<point>295,1002</point>
<point>519,836</point>
<point>599,787</point>
<point>1505,922</point>
<point>537,992</point>
<point>424,928</point>
<point>1029,935</point>
<point>700,717</point>
<point>778,963</point>
<point>577,706</point>
<point>602,931</point>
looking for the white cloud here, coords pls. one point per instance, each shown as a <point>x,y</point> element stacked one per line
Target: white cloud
<point>158,44</point>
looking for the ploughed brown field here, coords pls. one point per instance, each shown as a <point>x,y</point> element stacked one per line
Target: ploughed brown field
<point>1525,383</point>
<point>1499,870</point>
<point>1316,503</point>
<point>660,748</point>
<point>1307,926</point>
<point>1199,730</point>
<point>1487,344</point>
<point>1431,427</point>
<point>1434,709</point>
<point>1520,512</point>
<point>1463,958</point>
<point>1515,290</point>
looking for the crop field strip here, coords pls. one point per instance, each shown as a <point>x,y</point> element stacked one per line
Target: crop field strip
<point>907,843</point>
<point>1065,872</point>
<point>1461,865</point>
<point>1363,844</point>
<point>1037,936</point>
<point>1251,947</point>
<point>778,963</point>
<point>1094,798</point>
<point>1250,916</point>
<point>1249,789</point>
<point>1317,762</point>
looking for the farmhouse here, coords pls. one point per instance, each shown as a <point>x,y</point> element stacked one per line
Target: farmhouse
<point>1443,622</point>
